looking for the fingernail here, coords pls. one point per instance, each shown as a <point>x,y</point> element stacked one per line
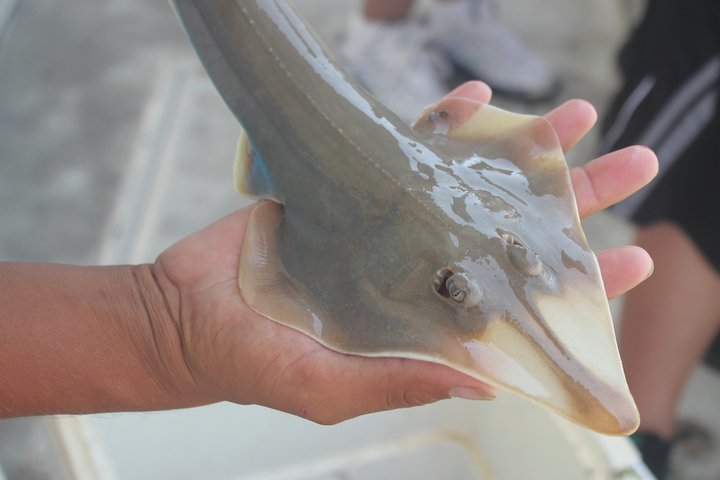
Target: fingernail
<point>470,394</point>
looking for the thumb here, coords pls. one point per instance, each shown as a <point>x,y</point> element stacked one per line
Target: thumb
<point>379,384</point>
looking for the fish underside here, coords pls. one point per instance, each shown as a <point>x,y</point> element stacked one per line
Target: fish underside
<point>456,241</point>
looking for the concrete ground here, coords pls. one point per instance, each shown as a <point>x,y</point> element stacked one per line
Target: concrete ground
<point>102,100</point>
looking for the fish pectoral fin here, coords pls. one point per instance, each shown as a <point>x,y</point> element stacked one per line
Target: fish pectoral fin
<point>264,283</point>
<point>250,174</point>
<point>529,141</point>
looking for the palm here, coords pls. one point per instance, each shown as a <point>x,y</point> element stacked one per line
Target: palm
<point>244,357</point>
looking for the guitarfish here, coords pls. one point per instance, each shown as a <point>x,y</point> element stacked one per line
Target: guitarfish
<point>456,241</point>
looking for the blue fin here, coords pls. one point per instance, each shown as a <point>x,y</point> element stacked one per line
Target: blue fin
<point>250,173</point>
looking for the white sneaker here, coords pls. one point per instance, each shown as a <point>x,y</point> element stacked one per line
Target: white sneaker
<point>391,60</point>
<point>471,35</point>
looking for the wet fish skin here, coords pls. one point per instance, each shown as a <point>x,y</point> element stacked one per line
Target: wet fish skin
<point>381,223</point>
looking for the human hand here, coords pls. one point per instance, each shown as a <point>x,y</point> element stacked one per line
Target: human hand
<point>598,184</point>
<point>232,353</point>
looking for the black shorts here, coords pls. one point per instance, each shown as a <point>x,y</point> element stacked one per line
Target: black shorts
<point>669,102</point>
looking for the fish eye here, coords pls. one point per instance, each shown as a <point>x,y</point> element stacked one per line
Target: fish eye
<point>522,257</point>
<point>440,282</point>
<point>456,287</point>
<point>434,116</point>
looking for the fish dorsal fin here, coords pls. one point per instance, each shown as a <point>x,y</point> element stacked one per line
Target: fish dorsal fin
<point>250,174</point>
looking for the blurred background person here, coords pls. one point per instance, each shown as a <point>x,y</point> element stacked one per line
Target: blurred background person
<point>406,60</point>
<point>669,102</point>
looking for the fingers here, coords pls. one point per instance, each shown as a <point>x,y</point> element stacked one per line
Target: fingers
<point>606,180</point>
<point>602,182</point>
<point>407,383</point>
<point>474,90</point>
<point>624,268</point>
<point>612,177</point>
<point>347,386</point>
<point>571,121</point>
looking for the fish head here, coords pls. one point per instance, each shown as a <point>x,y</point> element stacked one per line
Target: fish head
<point>513,293</point>
<point>526,317</point>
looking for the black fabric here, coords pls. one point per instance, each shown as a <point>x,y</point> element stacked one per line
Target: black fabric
<point>712,357</point>
<point>655,453</point>
<point>689,194</point>
<point>674,41</point>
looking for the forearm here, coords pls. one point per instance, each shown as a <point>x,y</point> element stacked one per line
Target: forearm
<point>87,339</point>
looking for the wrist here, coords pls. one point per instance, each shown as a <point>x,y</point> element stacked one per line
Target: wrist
<point>88,340</point>
<point>159,339</point>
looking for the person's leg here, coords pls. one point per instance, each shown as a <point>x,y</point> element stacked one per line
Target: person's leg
<point>387,10</point>
<point>390,9</point>
<point>667,324</point>
<point>471,34</point>
<point>385,49</point>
